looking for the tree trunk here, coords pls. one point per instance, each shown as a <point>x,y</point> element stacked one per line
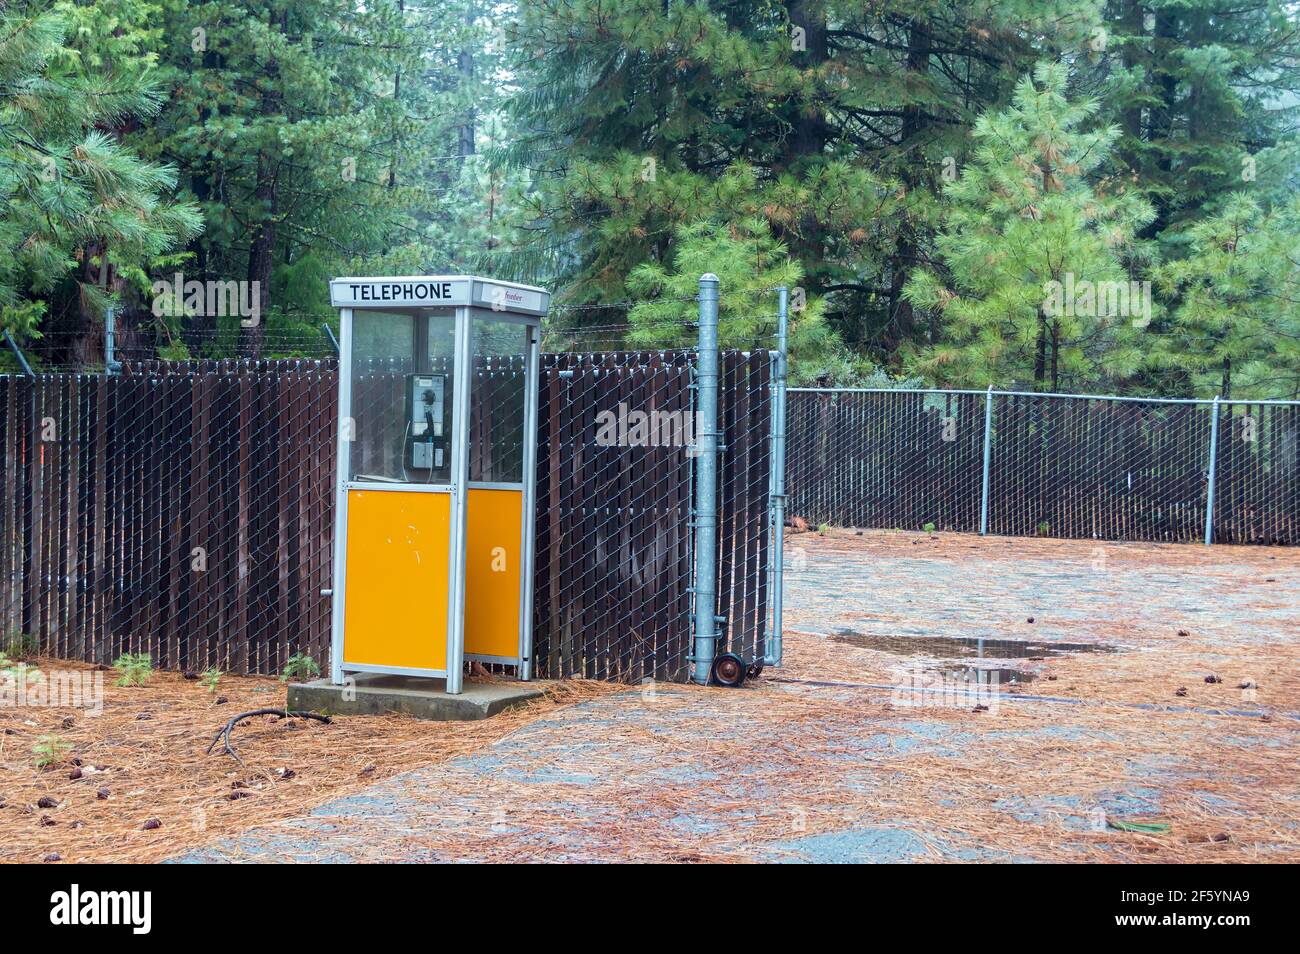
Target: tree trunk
<point>902,325</point>
<point>1165,44</point>
<point>465,63</point>
<point>261,250</point>
<point>1056,357</point>
<point>1132,21</point>
<point>808,135</point>
<point>87,348</point>
<point>199,329</point>
<point>1040,357</point>
<point>260,257</point>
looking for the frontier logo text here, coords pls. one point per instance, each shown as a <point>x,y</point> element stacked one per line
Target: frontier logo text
<point>76,907</point>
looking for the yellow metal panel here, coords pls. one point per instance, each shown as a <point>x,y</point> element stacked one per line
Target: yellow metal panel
<point>395,608</point>
<point>493,563</point>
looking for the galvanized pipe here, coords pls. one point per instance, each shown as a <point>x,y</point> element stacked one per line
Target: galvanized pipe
<point>18,353</point>
<point>329,333</point>
<point>1214,457</point>
<point>111,364</point>
<point>1042,394</point>
<point>706,483</point>
<point>773,644</point>
<point>988,456</point>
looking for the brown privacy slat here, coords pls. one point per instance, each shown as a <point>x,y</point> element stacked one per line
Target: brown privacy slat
<point>243,486</point>
<point>757,425</point>
<point>234,463</point>
<point>9,570</point>
<point>96,488</point>
<point>624,535</point>
<point>65,420</point>
<point>24,412</point>
<point>153,558</point>
<point>111,518</point>
<point>168,591</point>
<point>733,529</point>
<point>196,554</point>
<point>43,492</point>
<point>324,387</point>
<point>546,637</point>
<point>730,460</point>
<point>567,554</point>
<point>658,551</point>
<point>294,573</point>
<point>117,453</point>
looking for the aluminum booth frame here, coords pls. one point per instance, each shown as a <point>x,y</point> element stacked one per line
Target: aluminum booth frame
<point>472,300</point>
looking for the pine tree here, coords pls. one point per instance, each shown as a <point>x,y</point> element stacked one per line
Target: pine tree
<point>1200,88</point>
<point>286,118</point>
<point>78,205</point>
<point>323,137</point>
<point>1235,327</point>
<point>832,121</point>
<point>1030,249</point>
<point>750,265</point>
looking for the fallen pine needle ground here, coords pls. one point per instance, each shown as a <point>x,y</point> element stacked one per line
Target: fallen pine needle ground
<point>1145,758</point>
<point>133,783</point>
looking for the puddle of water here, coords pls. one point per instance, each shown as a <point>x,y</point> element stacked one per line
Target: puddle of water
<point>972,659</point>
<point>959,647</point>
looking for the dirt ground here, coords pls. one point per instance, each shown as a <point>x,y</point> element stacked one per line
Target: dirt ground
<point>1110,745</point>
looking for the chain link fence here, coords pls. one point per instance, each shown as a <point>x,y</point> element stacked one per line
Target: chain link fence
<point>1023,464</point>
<point>185,510</point>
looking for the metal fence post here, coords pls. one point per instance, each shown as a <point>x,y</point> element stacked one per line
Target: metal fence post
<point>772,645</point>
<point>111,364</point>
<point>1214,457</point>
<point>988,454</point>
<point>706,483</point>
<point>18,353</point>
<point>329,333</point>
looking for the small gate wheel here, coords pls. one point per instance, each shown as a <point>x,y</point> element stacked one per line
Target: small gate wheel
<point>729,670</point>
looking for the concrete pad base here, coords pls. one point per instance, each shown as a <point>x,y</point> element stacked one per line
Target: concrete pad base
<point>376,693</point>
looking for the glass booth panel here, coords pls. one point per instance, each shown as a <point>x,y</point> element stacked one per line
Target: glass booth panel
<point>498,401</point>
<point>401,386</point>
<point>494,537</point>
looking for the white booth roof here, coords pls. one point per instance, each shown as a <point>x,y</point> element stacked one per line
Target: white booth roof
<point>439,291</point>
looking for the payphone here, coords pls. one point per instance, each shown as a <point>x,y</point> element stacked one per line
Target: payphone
<point>426,426</point>
<point>435,469</point>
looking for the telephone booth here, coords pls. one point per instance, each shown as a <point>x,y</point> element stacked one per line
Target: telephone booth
<point>433,532</point>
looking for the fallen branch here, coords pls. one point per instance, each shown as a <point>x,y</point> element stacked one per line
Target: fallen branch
<point>223,734</point>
